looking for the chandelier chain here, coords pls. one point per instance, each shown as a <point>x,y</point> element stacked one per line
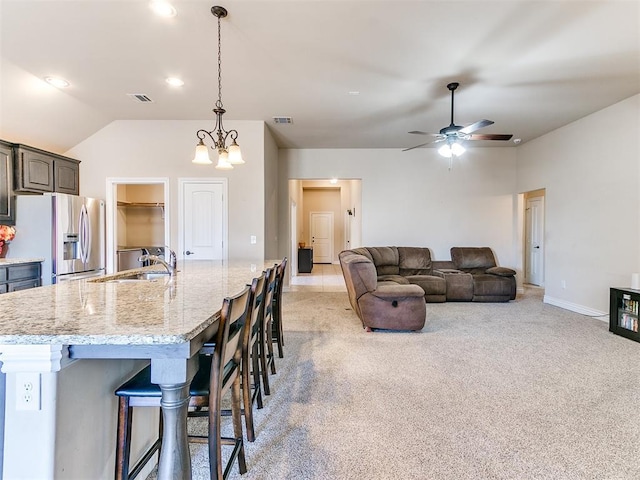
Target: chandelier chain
<point>219,102</point>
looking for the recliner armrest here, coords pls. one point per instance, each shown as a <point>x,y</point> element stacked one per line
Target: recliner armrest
<point>501,271</point>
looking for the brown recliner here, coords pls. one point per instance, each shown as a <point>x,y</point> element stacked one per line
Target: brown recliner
<point>381,305</point>
<point>490,282</point>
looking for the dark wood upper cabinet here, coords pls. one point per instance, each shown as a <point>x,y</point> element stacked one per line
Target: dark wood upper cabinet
<point>7,198</point>
<point>66,175</point>
<point>37,171</point>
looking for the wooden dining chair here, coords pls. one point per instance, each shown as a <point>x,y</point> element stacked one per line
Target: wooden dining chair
<point>218,372</point>
<point>266,342</point>
<point>276,307</point>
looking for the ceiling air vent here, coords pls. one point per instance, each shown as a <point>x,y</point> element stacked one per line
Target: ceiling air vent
<point>139,97</point>
<point>286,120</point>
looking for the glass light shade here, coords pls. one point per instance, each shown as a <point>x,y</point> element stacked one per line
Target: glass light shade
<point>223,160</point>
<point>235,155</point>
<point>454,149</point>
<point>202,155</point>
<point>457,149</point>
<point>445,150</point>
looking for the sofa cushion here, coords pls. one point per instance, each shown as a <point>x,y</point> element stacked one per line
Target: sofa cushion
<point>501,271</point>
<point>385,259</point>
<point>414,261</point>
<point>431,284</point>
<point>466,258</point>
<point>393,278</point>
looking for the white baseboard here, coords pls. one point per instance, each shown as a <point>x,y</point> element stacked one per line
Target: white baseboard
<point>574,307</point>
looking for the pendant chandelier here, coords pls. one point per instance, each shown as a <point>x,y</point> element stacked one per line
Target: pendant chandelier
<point>228,156</point>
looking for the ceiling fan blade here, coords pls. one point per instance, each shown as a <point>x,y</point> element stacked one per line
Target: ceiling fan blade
<point>417,146</point>
<point>476,126</point>
<point>490,136</point>
<point>418,132</point>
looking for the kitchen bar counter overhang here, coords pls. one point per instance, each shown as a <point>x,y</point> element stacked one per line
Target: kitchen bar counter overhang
<point>101,311</point>
<point>44,329</point>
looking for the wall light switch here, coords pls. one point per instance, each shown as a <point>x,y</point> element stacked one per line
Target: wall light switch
<point>254,239</point>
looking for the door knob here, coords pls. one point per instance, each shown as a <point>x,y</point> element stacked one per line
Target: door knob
<point>189,253</point>
<point>537,246</point>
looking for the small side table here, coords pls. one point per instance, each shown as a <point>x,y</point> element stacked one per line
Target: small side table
<point>305,260</point>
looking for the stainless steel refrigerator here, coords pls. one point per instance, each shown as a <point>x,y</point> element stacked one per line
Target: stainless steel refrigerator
<point>66,230</point>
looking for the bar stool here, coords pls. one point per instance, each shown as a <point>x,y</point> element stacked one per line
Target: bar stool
<point>251,391</point>
<point>266,342</point>
<point>219,372</point>
<point>276,302</point>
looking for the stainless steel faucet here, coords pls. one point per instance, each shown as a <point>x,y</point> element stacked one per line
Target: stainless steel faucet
<point>173,259</point>
<point>156,259</point>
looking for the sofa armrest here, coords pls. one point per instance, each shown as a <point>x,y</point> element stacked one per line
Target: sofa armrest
<point>501,271</point>
<point>389,292</point>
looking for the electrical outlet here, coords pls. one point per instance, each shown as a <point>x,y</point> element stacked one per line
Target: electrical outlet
<point>254,239</point>
<point>27,391</point>
<point>564,284</point>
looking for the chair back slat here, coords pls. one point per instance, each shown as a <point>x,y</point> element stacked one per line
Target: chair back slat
<point>232,318</point>
<point>257,289</point>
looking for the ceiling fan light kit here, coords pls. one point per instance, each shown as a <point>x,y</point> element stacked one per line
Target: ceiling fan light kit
<point>453,135</point>
<point>227,156</point>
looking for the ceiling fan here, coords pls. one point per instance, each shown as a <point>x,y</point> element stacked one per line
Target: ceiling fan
<point>454,134</point>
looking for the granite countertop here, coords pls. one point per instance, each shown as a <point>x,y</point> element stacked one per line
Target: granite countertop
<point>104,312</point>
<point>17,261</point>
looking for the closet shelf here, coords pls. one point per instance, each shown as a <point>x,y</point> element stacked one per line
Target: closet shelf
<point>140,204</point>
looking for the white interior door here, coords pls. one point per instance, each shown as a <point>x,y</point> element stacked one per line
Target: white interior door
<point>534,268</point>
<point>204,229</point>
<point>321,226</point>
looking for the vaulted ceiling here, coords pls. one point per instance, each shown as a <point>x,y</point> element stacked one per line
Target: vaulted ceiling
<point>350,73</point>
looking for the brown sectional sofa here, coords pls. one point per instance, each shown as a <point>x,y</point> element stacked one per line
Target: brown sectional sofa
<point>383,283</point>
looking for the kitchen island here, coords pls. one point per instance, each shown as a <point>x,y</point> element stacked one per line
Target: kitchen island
<point>64,349</point>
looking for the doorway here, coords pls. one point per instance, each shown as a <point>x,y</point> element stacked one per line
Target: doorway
<point>146,202</point>
<point>342,198</point>
<point>534,238</point>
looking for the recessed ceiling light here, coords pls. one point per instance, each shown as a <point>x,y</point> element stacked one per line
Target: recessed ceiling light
<point>162,8</point>
<point>57,82</point>
<point>354,93</point>
<point>174,82</point>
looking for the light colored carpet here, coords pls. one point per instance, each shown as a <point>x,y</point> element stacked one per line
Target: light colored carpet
<point>520,390</point>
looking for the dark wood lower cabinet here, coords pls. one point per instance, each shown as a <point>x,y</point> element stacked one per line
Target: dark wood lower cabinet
<point>20,276</point>
<point>305,260</point>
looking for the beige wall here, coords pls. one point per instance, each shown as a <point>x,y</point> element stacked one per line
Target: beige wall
<point>164,149</point>
<point>592,204</point>
<point>411,198</point>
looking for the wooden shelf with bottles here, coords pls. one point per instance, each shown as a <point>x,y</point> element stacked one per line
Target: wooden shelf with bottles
<point>623,312</point>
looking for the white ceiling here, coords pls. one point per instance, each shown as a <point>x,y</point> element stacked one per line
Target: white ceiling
<point>530,66</point>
